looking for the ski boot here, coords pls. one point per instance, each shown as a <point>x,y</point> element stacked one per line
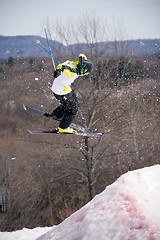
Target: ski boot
<point>67,130</point>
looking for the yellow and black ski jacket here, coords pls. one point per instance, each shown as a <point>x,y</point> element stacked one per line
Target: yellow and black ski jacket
<point>66,73</point>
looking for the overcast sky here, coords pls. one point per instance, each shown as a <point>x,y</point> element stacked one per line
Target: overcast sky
<point>140,18</point>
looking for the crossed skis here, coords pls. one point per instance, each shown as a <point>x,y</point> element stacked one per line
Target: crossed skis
<point>84,131</point>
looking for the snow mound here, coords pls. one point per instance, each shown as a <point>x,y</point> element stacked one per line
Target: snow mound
<point>129,209</point>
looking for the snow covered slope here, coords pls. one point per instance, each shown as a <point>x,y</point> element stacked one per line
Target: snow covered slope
<point>127,209</point>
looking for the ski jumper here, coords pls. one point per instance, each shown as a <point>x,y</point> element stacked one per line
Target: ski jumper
<point>65,74</point>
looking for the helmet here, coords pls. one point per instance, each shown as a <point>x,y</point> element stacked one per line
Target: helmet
<point>84,66</point>
<point>87,67</point>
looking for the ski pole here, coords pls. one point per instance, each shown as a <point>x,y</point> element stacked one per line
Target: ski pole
<point>50,49</point>
<point>38,42</point>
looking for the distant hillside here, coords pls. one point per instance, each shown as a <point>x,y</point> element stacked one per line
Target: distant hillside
<point>26,46</point>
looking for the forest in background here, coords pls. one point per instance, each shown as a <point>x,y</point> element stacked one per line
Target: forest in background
<point>43,179</point>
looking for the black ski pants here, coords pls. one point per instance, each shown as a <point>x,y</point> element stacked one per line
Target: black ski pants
<point>67,109</point>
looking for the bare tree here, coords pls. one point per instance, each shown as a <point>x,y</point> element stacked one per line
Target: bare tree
<point>118,36</point>
<point>83,33</point>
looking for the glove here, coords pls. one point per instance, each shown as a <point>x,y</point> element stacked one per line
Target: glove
<point>48,114</point>
<point>57,73</point>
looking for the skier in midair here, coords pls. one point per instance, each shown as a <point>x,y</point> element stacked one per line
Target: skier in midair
<point>65,75</point>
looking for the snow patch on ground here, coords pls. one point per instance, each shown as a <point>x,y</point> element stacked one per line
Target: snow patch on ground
<point>24,234</point>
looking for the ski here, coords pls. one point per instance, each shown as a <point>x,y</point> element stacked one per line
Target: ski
<point>30,109</point>
<point>84,134</point>
<point>41,113</point>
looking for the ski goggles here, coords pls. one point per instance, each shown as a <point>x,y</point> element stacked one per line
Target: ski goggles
<point>84,71</point>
